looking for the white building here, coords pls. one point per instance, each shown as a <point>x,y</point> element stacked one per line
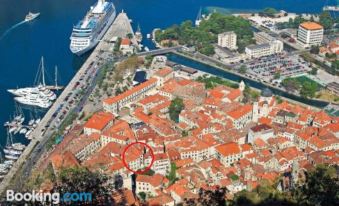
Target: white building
<point>114,104</point>
<point>309,34</point>
<point>262,131</point>
<point>228,40</point>
<point>265,49</point>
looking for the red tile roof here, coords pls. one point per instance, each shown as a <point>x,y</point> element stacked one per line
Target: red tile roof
<point>130,92</point>
<point>228,149</point>
<point>99,120</point>
<point>240,112</point>
<point>311,26</point>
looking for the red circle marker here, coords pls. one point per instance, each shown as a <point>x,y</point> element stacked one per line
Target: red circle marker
<point>138,171</point>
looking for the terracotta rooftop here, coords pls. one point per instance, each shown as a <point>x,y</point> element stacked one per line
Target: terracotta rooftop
<point>99,120</point>
<point>311,26</point>
<point>130,92</point>
<point>228,149</point>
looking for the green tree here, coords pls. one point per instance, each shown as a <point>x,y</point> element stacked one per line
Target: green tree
<point>249,94</point>
<point>277,75</point>
<point>314,49</point>
<point>314,71</point>
<point>209,197</point>
<point>326,20</point>
<point>335,66</point>
<point>142,195</point>
<point>129,35</point>
<point>82,180</point>
<point>321,188</point>
<point>270,11</point>
<point>207,49</point>
<point>172,176</point>
<point>176,106</point>
<point>243,69</point>
<point>308,89</point>
<point>290,84</point>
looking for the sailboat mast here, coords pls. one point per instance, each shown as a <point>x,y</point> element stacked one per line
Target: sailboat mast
<point>56,77</point>
<point>43,71</point>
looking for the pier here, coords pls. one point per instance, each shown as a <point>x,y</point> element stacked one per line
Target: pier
<point>21,169</point>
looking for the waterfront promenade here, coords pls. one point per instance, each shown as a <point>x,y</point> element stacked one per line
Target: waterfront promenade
<point>21,170</point>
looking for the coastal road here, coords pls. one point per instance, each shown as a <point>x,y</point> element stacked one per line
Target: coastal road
<point>22,168</point>
<point>160,51</point>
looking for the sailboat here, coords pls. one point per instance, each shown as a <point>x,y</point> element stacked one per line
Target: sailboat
<point>199,17</point>
<point>13,150</point>
<point>38,95</point>
<point>138,34</point>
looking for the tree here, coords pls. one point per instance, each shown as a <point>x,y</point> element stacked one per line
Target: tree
<point>149,172</point>
<point>277,75</point>
<point>80,179</point>
<point>326,20</point>
<point>209,197</point>
<point>176,106</point>
<point>142,195</point>
<point>204,36</point>
<point>314,71</point>
<point>308,89</point>
<point>314,49</point>
<point>243,69</point>
<point>270,12</point>
<point>249,94</point>
<point>321,187</point>
<point>172,176</point>
<point>290,84</point>
<point>129,35</point>
<point>118,181</point>
<point>207,49</point>
<point>335,66</point>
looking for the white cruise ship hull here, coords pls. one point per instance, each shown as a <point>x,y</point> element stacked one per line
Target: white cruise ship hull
<point>80,50</point>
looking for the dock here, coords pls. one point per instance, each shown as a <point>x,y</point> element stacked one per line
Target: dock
<point>40,136</point>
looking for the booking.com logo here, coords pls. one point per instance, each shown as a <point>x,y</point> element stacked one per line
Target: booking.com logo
<point>54,198</point>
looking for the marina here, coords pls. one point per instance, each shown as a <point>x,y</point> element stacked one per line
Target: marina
<point>40,134</point>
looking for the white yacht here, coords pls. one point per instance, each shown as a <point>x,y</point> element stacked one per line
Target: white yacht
<point>89,31</point>
<point>38,95</point>
<point>40,89</point>
<point>38,101</point>
<point>31,16</point>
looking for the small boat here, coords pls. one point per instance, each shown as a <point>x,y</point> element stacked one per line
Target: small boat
<point>37,121</point>
<point>9,163</point>
<point>18,146</point>
<point>31,122</point>
<point>28,133</point>
<point>12,157</point>
<point>148,36</point>
<point>146,48</point>
<point>31,16</point>
<point>12,152</point>
<point>23,131</point>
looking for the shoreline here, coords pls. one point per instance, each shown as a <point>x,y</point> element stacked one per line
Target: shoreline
<point>40,134</point>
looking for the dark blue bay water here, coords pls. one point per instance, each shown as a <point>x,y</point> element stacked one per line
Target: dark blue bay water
<point>22,47</point>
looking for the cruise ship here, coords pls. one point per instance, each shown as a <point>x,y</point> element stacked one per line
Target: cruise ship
<point>89,31</point>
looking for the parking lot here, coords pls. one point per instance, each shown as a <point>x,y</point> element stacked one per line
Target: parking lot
<point>265,68</point>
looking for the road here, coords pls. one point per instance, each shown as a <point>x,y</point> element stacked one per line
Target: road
<point>71,99</point>
<point>160,51</point>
